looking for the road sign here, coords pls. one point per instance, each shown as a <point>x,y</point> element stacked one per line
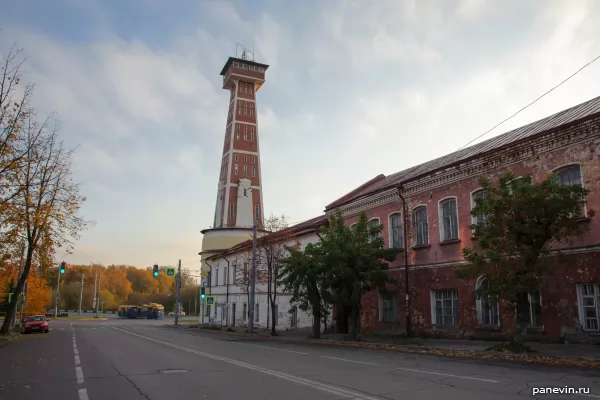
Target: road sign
<point>203,273</point>
<point>181,304</point>
<point>210,300</point>
<point>170,271</point>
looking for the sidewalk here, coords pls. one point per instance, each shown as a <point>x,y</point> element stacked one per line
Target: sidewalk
<point>579,355</point>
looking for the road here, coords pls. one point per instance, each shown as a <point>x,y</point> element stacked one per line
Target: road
<point>143,360</point>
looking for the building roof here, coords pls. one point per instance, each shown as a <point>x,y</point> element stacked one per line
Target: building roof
<point>250,62</point>
<point>381,182</point>
<point>291,231</point>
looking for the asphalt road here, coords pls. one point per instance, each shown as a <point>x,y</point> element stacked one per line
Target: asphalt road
<point>143,360</point>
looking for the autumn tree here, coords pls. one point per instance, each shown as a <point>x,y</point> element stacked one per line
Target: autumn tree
<point>46,209</point>
<point>519,224</point>
<point>303,274</point>
<point>270,249</point>
<point>14,112</point>
<point>356,262</point>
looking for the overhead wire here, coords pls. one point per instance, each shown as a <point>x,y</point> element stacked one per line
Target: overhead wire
<point>532,103</point>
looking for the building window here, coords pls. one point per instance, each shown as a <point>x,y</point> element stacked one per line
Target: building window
<point>353,226</point>
<point>388,307</point>
<point>487,306</point>
<point>529,309</point>
<point>225,276</point>
<point>445,307</point>
<point>449,220</point>
<point>236,169</point>
<point>245,104</point>
<point>251,105</point>
<point>245,159</point>
<point>252,129</point>
<point>571,175</point>
<point>235,157</point>
<point>395,229</point>
<point>253,160</point>
<point>234,272</point>
<point>374,223</point>
<point>251,90</point>
<point>245,111</point>
<point>237,132</point>
<point>257,212</point>
<point>253,171</point>
<point>421,226</point>
<point>245,170</point>
<point>217,276</point>
<point>588,298</point>
<point>480,219</point>
<point>245,137</point>
<point>251,112</point>
<point>239,111</point>
<point>231,210</point>
<point>252,137</point>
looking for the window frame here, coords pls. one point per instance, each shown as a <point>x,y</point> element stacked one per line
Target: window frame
<point>372,238</point>
<point>382,307</point>
<point>391,229</point>
<point>472,195</point>
<point>573,165</point>
<point>441,217</point>
<point>581,308</point>
<point>455,307</point>
<point>479,305</point>
<point>415,230</point>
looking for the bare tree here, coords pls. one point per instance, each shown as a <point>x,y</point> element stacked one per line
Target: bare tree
<point>45,211</point>
<point>270,249</point>
<point>14,111</point>
<point>243,276</point>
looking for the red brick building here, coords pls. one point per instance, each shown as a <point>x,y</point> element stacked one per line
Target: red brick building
<point>567,143</point>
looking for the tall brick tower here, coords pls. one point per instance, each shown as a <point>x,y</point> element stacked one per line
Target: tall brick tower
<point>239,194</point>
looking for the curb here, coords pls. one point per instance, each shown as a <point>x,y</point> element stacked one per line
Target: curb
<point>235,333</point>
<point>484,355</point>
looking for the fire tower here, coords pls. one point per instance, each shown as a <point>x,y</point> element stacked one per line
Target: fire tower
<point>239,200</point>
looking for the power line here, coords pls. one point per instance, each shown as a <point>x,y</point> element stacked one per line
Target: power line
<point>532,103</point>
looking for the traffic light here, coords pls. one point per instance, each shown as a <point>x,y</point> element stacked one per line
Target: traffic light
<point>202,295</point>
<point>63,266</point>
<point>155,270</point>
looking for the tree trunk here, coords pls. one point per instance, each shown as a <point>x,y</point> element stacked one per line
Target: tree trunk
<point>273,317</point>
<point>316,328</point>
<point>325,314</point>
<point>15,299</point>
<point>353,331</point>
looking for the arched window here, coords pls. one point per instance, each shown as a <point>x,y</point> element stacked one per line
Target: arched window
<point>421,233</point>
<point>448,214</point>
<point>395,231</point>
<point>571,175</point>
<point>487,306</point>
<point>374,223</point>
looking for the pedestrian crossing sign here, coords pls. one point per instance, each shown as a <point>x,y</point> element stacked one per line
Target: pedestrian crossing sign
<point>210,300</point>
<point>170,271</point>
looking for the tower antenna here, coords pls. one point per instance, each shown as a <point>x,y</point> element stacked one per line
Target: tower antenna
<point>244,52</point>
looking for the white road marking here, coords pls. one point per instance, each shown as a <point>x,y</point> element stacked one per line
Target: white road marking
<point>271,348</point>
<point>344,359</point>
<point>75,350</point>
<point>77,360</point>
<point>448,375</point>
<point>79,374</point>
<point>62,329</point>
<point>103,327</point>
<point>83,394</point>
<point>346,393</point>
<point>94,328</point>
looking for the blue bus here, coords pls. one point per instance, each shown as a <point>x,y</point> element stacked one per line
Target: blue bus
<point>149,311</point>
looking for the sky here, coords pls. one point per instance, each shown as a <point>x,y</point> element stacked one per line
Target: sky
<point>355,88</point>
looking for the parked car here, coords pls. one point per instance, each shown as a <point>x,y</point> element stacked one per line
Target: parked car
<point>36,323</point>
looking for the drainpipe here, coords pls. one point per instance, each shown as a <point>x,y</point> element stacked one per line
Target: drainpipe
<point>400,189</point>
<point>227,289</point>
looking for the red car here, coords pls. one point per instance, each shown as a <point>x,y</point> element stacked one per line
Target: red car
<point>36,323</point>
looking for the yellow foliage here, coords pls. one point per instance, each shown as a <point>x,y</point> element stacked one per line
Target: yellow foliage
<point>38,295</point>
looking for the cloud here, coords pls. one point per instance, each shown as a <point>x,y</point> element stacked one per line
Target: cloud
<point>354,89</point>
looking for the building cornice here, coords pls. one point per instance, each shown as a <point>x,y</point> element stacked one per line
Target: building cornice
<point>502,158</point>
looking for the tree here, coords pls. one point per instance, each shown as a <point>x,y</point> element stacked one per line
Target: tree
<point>520,224</point>
<point>38,294</point>
<point>14,111</point>
<point>243,276</point>
<point>45,212</point>
<point>356,262</point>
<point>270,249</point>
<point>302,273</point>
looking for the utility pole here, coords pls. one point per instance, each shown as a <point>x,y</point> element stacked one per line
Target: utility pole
<point>97,299</point>
<point>94,308</point>
<point>177,285</point>
<point>81,293</point>
<point>253,278</point>
<point>57,293</point>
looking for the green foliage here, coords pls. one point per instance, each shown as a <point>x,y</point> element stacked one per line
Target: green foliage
<point>524,222</point>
